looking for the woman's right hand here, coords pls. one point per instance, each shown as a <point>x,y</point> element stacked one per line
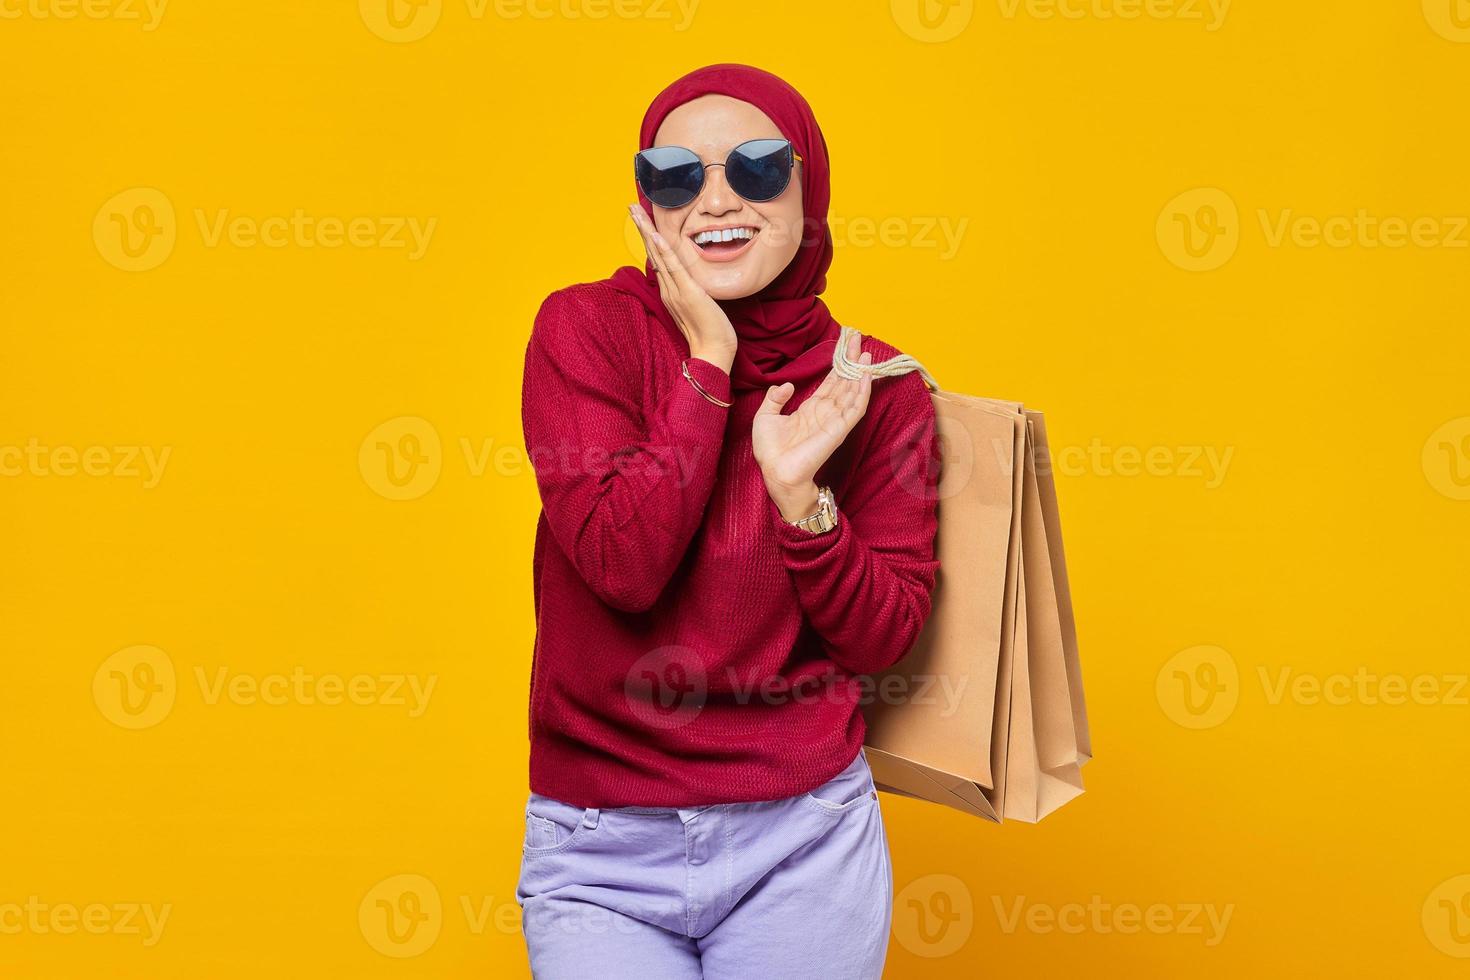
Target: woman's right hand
<point>708,330</point>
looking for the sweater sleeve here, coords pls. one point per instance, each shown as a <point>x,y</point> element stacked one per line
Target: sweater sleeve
<point>623,488</point>
<point>866,585</point>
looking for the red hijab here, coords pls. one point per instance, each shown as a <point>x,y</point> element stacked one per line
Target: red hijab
<point>783,329</point>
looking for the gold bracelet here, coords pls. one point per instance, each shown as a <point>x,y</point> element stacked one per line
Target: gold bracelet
<point>706,394</point>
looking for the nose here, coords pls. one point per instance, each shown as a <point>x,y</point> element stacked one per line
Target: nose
<point>715,197</point>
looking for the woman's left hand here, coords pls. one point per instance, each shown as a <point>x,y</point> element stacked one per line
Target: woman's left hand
<point>791,448</point>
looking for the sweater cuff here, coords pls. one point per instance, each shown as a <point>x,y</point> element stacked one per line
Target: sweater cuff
<point>710,377</point>
<point>800,545</point>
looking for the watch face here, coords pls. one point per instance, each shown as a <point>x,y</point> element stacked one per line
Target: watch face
<point>827,509</point>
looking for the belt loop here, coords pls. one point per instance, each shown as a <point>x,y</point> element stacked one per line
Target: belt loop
<point>589,817</point>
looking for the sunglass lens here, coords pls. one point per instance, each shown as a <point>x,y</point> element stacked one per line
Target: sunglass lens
<point>670,176</point>
<point>760,169</point>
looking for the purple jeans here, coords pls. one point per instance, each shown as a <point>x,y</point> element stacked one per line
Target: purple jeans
<point>796,887</point>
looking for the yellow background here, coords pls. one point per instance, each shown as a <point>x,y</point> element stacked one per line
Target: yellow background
<point>1333,543</point>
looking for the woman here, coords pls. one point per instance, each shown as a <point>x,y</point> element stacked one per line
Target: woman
<point>731,534</point>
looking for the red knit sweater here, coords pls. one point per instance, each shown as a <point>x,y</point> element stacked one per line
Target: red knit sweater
<point>691,646</point>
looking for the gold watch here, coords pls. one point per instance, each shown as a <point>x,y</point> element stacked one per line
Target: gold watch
<point>825,519</point>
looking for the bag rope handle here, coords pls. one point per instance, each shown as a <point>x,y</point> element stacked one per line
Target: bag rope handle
<point>893,367</point>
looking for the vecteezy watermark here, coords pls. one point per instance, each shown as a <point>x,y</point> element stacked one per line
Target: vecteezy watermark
<point>404,915</point>
<point>940,692</point>
<point>302,230</point>
<point>1200,687</point>
<point>137,687</point>
<point>669,686</point>
<point>1363,686</point>
<point>404,21</point>
<point>137,229</point>
<point>1200,229</point>
<point>1209,13</point>
<point>1446,458</point>
<point>1099,917</point>
<point>33,459</point>
<point>1363,229</point>
<point>147,14</point>
<point>1450,19</point>
<point>934,915</point>
<point>298,687</point>
<point>39,918</point>
<point>1206,463</point>
<point>935,21</point>
<point>940,235</point>
<point>403,458</point>
<point>1446,917</point>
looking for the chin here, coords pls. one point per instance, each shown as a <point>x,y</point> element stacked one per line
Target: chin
<point>732,283</point>
<point>730,292</point>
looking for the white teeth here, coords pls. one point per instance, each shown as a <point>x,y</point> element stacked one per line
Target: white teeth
<point>724,235</point>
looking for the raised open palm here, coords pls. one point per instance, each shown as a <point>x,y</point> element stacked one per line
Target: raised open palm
<point>790,448</point>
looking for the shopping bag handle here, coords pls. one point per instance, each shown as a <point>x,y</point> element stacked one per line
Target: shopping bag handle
<point>894,366</point>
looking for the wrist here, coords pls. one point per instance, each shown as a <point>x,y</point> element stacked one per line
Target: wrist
<point>794,502</point>
<point>722,359</point>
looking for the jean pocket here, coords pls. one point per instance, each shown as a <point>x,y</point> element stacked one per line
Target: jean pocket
<point>851,789</point>
<point>552,826</point>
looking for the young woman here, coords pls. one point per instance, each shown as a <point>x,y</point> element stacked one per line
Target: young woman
<point>732,535</point>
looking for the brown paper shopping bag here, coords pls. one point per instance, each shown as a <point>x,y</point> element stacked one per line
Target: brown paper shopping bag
<point>1006,735</point>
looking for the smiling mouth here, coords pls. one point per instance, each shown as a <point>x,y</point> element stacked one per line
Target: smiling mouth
<point>724,243</point>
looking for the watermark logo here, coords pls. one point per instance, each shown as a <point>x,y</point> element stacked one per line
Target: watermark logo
<point>401,916</point>
<point>135,230</point>
<point>633,240</point>
<point>1446,459</point>
<point>933,916</point>
<point>400,21</point>
<point>1446,917</point>
<point>921,474</point>
<point>1450,19</point>
<point>135,687</point>
<point>667,687</point>
<point>401,459</point>
<point>1198,687</point>
<point>1199,230</point>
<point>932,21</point>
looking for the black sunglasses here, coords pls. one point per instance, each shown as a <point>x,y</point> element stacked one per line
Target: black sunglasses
<point>757,170</point>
